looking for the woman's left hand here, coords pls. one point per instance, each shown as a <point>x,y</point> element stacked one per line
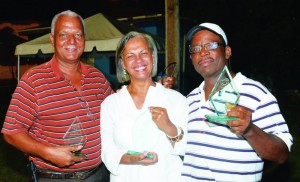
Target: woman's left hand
<point>139,159</point>
<point>161,119</point>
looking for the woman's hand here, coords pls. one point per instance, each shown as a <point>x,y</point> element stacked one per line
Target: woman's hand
<point>139,159</point>
<point>161,119</point>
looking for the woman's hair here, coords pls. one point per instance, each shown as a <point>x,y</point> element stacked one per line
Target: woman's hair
<point>122,75</point>
<point>66,13</point>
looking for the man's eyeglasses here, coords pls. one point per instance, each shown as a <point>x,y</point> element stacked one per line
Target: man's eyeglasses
<point>85,105</point>
<point>208,47</point>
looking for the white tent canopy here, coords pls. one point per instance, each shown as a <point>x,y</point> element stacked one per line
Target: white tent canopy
<point>102,33</point>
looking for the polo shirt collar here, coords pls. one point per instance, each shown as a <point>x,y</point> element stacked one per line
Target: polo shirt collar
<point>56,70</point>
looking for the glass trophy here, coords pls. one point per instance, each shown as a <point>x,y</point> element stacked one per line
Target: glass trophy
<point>145,134</point>
<point>223,96</point>
<point>75,136</point>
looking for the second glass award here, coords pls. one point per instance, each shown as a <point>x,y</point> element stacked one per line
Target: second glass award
<point>223,96</point>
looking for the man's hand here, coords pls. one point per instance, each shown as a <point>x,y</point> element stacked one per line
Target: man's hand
<point>62,156</point>
<point>243,124</point>
<point>267,146</point>
<point>167,82</point>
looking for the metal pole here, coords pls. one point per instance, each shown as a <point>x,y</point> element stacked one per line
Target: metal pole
<point>18,68</point>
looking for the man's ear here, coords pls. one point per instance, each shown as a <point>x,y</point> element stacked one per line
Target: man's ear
<point>228,52</point>
<point>52,39</point>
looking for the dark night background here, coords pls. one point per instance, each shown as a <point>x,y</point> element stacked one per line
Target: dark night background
<point>263,34</point>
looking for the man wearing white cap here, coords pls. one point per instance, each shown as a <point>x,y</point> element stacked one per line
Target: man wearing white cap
<point>234,151</point>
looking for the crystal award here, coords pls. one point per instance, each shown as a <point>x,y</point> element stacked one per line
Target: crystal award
<point>145,134</point>
<point>75,136</point>
<point>223,96</point>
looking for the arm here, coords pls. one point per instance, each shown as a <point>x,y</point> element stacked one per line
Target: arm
<point>173,117</point>
<point>267,146</point>
<point>161,118</point>
<point>20,117</point>
<point>60,156</point>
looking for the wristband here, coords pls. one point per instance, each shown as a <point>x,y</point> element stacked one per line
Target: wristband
<point>179,136</point>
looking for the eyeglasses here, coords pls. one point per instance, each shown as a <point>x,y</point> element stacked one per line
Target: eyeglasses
<point>85,105</point>
<point>208,47</point>
<point>163,73</point>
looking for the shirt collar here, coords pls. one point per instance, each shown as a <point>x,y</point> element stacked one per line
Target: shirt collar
<point>56,70</point>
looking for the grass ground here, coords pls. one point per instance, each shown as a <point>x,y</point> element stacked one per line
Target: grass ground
<point>13,162</point>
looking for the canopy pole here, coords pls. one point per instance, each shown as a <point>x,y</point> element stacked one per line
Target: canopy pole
<point>18,68</point>
<point>172,38</point>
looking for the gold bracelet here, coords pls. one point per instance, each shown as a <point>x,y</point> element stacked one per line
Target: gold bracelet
<point>178,137</point>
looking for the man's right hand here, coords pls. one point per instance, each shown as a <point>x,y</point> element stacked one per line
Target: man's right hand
<point>167,82</point>
<point>62,156</point>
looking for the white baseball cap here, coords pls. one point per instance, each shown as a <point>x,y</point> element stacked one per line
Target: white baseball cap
<point>207,26</point>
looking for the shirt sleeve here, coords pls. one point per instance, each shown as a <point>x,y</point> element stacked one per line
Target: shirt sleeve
<point>280,127</point>
<point>270,119</point>
<point>111,153</point>
<point>21,111</point>
<point>180,120</point>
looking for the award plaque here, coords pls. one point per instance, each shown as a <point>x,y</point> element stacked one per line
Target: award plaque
<point>75,136</point>
<point>223,96</point>
<point>145,134</point>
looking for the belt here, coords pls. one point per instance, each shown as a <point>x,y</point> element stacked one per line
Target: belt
<point>43,173</point>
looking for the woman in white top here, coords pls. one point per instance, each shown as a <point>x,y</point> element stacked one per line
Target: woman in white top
<point>143,117</point>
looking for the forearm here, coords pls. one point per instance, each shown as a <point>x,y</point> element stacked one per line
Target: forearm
<point>24,142</point>
<point>267,146</point>
<point>129,159</point>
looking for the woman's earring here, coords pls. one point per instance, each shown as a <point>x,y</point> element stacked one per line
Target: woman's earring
<point>124,72</point>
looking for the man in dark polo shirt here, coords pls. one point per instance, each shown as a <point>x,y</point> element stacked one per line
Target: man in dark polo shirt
<point>52,96</point>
